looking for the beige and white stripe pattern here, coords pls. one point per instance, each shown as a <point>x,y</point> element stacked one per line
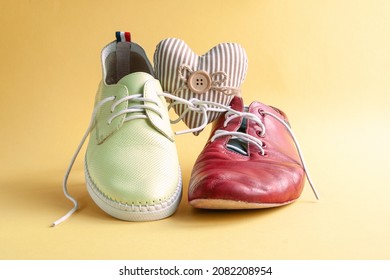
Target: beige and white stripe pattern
<point>172,53</point>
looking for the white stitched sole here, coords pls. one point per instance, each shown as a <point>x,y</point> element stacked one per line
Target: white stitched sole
<point>131,212</point>
<point>232,204</point>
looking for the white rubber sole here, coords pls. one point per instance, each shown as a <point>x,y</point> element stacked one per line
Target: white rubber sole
<point>134,213</point>
<point>232,204</point>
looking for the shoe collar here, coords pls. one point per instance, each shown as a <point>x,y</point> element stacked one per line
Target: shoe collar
<point>138,60</point>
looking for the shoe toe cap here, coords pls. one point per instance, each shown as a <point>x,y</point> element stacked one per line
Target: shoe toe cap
<point>251,183</point>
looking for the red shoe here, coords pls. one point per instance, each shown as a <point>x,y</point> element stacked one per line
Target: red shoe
<point>251,160</point>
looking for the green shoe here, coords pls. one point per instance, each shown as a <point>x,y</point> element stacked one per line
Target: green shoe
<point>131,164</point>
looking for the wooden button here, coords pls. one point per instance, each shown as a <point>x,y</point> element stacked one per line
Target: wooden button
<point>199,82</point>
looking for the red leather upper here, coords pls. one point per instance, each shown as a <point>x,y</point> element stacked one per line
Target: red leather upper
<point>276,177</point>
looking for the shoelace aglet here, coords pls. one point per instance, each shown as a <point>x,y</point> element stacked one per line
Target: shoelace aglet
<point>67,215</point>
<point>313,189</point>
<point>316,194</point>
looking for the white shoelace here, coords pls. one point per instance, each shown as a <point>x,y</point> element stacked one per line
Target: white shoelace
<point>198,106</point>
<point>207,106</point>
<point>192,105</point>
<point>139,109</point>
<point>232,114</point>
<point>72,161</point>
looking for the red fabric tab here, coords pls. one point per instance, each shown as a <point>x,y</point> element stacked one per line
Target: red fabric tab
<point>128,36</point>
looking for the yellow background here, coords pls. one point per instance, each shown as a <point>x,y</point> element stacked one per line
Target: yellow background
<point>325,63</point>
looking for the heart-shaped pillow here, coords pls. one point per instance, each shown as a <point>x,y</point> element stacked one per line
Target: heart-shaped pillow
<point>215,76</point>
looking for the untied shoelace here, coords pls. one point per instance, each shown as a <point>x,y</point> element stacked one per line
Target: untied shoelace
<point>139,109</point>
<point>193,104</point>
<point>203,107</point>
<point>232,114</point>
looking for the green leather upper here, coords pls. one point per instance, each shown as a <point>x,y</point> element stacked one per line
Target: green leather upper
<point>134,161</point>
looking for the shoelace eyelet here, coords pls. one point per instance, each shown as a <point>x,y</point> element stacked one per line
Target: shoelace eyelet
<point>261,112</point>
<point>263,155</point>
<point>113,109</point>
<point>260,133</point>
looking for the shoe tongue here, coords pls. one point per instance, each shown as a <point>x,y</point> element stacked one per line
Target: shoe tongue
<point>235,144</point>
<point>135,82</point>
<point>237,104</point>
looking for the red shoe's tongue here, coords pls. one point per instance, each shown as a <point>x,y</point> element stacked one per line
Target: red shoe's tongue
<point>237,104</point>
<point>235,144</point>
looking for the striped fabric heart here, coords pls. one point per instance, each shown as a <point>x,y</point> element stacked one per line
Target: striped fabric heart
<point>215,76</point>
